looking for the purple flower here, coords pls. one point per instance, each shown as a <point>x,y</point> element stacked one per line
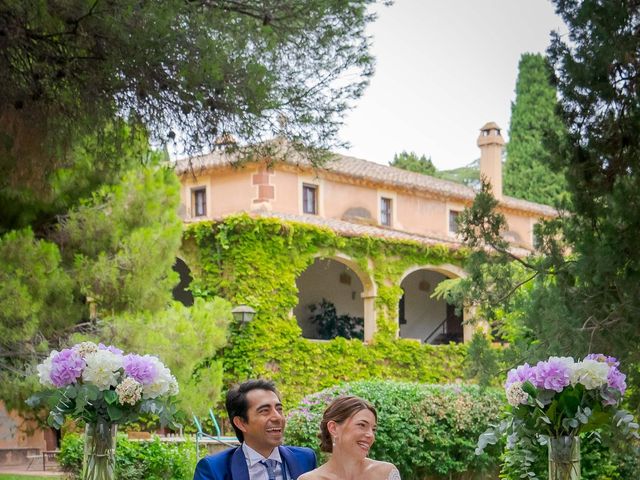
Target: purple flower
<point>522,374</point>
<point>111,348</point>
<point>553,374</point>
<point>616,379</point>
<point>599,357</point>
<point>66,367</point>
<point>141,369</point>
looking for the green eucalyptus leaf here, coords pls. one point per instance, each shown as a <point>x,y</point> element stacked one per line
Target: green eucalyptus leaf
<point>115,413</point>
<point>110,396</point>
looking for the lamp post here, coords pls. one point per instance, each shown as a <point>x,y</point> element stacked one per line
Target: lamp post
<point>243,314</point>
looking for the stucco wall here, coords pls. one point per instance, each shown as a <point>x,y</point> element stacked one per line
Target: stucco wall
<point>234,191</point>
<point>17,432</point>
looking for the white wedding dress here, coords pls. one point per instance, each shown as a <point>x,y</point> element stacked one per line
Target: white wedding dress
<point>394,474</point>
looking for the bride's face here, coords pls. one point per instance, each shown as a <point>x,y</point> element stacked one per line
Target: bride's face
<point>357,433</point>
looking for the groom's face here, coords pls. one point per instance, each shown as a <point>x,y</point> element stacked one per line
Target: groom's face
<point>265,423</point>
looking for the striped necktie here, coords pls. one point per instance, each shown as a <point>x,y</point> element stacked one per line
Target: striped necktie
<point>270,465</point>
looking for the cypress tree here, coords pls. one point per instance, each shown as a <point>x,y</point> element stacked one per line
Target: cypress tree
<point>528,171</point>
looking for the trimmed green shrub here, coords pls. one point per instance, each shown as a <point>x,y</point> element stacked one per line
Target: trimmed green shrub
<point>427,431</point>
<point>153,460</point>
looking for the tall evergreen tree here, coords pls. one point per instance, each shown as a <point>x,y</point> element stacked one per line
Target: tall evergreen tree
<point>528,170</point>
<point>414,163</point>
<point>581,293</point>
<point>194,70</point>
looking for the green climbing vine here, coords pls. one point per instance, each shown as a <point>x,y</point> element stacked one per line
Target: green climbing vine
<point>256,262</point>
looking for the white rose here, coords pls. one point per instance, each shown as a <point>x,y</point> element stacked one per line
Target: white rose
<point>590,373</point>
<point>102,369</point>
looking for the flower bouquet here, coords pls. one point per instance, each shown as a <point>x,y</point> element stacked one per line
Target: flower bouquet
<point>552,403</point>
<point>103,387</point>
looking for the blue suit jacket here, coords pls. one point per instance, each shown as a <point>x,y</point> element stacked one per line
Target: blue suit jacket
<point>231,464</point>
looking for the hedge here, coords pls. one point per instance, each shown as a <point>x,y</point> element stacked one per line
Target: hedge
<point>153,460</point>
<point>427,431</point>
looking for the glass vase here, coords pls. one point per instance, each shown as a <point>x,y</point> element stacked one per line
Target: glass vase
<point>99,461</point>
<point>564,458</point>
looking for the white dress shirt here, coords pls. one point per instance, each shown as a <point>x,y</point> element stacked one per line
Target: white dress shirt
<point>258,471</point>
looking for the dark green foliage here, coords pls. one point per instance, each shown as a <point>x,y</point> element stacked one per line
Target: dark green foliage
<point>599,81</point>
<point>585,290</point>
<point>114,239</point>
<point>586,293</point>
<point>599,461</point>
<point>427,431</point>
<point>414,163</point>
<point>331,325</point>
<point>529,171</point>
<point>202,69</point>
<point>153,460</point>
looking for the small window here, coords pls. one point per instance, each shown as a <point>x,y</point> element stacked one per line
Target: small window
<point>385,211</point>
<point>453,221</point>
<point>199,202</point>
<point>310,199</point>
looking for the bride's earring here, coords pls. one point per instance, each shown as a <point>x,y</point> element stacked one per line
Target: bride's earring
<point>334,441</point>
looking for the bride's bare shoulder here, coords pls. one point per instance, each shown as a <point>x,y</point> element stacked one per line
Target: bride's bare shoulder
<point>317,474</point>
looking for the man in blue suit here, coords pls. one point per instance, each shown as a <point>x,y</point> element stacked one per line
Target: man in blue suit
<point>255,411</point>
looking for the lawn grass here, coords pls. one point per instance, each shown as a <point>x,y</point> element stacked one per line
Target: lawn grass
<point>7,476</point>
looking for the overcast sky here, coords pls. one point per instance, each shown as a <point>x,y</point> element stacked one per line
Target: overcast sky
<point>444,68</point>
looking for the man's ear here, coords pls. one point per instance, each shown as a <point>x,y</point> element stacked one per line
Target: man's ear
<point>240,423</point>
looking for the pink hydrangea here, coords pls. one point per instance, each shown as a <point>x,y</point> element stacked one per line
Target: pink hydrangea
<point>66,367</point>
<point>141,368</point>
<point>553,374</point>
<point>521,374</point>
<point>616,379</point>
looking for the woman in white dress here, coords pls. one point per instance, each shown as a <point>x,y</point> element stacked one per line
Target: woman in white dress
<point>347,431</point>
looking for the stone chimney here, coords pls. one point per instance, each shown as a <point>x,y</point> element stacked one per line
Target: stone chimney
<point>491,142</point>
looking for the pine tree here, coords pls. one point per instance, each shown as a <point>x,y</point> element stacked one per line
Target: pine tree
<point>528,171</point>
<point>412,162</point>
<point>194,71</point>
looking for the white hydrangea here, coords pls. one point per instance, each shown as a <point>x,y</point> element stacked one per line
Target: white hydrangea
<point>516,395</point>
<point>129,391</point>
<point>569,362</point>
<point>590,373</point>
<point>44,370</point>
<point>163,383</point>
<point>86,348</point>
<point>174,388</point>
<point>103,369</point>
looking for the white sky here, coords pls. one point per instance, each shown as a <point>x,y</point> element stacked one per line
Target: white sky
<point>443,69</point>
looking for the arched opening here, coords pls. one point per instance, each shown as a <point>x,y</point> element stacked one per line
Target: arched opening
<point>181,291</point>
<point>424,318</point>
<point>335,299</point>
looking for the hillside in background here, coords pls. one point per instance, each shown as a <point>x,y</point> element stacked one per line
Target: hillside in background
<point>468,175</point>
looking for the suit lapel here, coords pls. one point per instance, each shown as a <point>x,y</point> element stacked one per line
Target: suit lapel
<point>292,466</point>
<point>239,470</point>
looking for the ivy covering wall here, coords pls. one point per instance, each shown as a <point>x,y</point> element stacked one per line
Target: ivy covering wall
<point>255,261</point>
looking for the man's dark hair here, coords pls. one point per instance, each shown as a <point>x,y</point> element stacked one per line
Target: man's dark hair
<point>237,404</point>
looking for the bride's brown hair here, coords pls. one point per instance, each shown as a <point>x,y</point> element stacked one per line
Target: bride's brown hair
<point>338,411</point>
